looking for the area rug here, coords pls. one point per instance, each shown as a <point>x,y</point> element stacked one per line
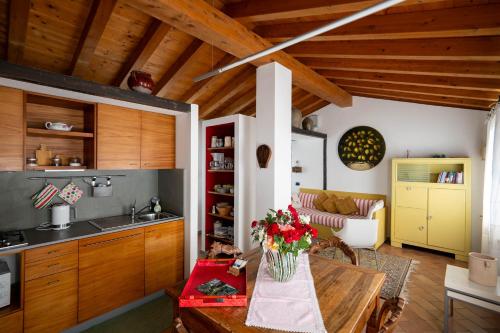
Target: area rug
<point>397,269</point>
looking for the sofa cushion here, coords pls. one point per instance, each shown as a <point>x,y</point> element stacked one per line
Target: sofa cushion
<point>307,199</point>
<point>346,206</point>
<point>327,219</point>
<point>329,204</point>
<point>318,202</point>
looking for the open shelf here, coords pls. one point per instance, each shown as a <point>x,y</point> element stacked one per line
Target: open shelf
<point>15,302</point>
<point>220,239</point>
<point>220,148</point>
<point>51,167</point>
<point>225,217</point>
<point>58,134</point>
<point>221,171</point>
<point>223,194</point>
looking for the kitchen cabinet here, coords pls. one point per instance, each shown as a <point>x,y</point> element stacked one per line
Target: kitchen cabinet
<point>111,272</point>
<point>118,137</point>
<point>50,303</point>
<point>164,255</point>
<point>12,323</point>
<point>157,141</point>
<point>51,282</point>
<point>11,129</point>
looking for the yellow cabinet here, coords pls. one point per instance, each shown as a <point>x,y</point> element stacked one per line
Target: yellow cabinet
<point>447,218</point>
<point>429,213</point>
<point>413,226</point>
<point>411,196</point>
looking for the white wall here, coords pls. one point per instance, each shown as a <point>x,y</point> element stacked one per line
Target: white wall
<point>309,152</point>
<point>422,129</point>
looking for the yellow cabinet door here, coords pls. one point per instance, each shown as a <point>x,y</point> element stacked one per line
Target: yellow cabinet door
<point>411,196</point>
<point>411,224</point>
<point>447,218</point>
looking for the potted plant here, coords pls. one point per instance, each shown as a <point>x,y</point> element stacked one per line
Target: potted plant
<point>283,235</point>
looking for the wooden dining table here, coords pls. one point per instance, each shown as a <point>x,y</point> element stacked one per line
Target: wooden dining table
<point>348,297</point>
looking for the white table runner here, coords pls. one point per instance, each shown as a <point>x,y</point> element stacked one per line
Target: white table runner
<point>287,306</point>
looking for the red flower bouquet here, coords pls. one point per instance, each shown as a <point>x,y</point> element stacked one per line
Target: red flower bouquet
<point>284,231</point>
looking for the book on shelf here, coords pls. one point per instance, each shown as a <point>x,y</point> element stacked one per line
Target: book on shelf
<point>451,177</point>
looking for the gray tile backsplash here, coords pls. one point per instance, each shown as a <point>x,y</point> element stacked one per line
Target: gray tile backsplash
<point>17,211</point>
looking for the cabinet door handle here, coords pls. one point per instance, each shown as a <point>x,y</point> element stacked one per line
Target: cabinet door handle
<point>53,251</point>
<point>429,217</point>
<point>52,282</point>
<point>53,265</point>
<point>110,241</point>
<point>421,228</point>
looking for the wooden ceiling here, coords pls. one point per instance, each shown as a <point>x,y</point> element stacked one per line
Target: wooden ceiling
<point>423,51</point>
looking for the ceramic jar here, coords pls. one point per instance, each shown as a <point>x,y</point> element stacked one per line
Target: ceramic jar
<point>141,82</point>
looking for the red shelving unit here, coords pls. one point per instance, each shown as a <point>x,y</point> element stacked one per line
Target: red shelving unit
<point>214,177</point>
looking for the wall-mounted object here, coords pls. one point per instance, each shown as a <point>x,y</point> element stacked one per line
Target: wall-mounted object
<point>141,82</point>
<point>361,148</point>
<point>100,190</point>
<point>263,155</point>
<point>296,168</point>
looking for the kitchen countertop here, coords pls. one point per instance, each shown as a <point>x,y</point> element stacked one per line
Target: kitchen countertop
<point>78,230</point>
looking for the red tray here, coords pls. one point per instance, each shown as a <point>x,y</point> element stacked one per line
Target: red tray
<point>206,270</point>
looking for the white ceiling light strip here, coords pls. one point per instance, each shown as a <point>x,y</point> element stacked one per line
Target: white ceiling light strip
<point>343,21</point>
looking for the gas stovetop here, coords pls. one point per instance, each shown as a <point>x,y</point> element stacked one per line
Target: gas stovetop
<point>12,239</point>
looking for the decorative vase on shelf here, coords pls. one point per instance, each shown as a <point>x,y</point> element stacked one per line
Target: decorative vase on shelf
<point>283,235</point>
<point>308,124</point>
<point>281,266</point>
<point>296,118</point>
<point>141,82</point>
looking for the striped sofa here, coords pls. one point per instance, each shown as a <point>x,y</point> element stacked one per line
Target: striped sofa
<point>370,206</point>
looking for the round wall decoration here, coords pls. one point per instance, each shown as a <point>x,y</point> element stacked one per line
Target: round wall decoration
<point>361,148</point>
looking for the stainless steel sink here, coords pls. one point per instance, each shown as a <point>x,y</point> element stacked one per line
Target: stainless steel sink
<point>154,216</point>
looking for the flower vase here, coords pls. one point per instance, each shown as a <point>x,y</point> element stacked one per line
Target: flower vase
<point>281,266</point>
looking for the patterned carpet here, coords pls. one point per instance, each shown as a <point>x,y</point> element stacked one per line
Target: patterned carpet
<point>397,269</point>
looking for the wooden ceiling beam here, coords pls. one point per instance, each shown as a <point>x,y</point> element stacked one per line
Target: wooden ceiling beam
<point>168,77</point>
<point>265,10</point>
<point>466,48</point>
<point>242,82</point>
<point>97,20</point>
<point>240,103</point>
<point>148,44</point>
<point>250,110</point>
<point>306,102</point>
<point>18,27</point>
<point>202,87</point>
<point>480,69</point>
<point>482,20</point>
<point>298,97</point>
<point>422,90</point>
<point>443,101</point>
<point>420,80</point>
<point>201,20</point>
<point>314,107</point>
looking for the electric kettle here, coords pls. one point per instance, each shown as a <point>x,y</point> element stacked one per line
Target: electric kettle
<point>61,216</point>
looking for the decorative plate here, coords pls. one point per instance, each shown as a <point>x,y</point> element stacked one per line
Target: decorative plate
<point>361,148</point>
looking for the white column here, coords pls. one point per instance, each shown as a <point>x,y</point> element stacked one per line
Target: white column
<point>186,144</point>
<point>273,128</point>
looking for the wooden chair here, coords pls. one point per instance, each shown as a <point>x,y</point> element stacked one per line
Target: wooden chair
<point>334,241</point>
<point>389,314</point>
<point>178,326</point>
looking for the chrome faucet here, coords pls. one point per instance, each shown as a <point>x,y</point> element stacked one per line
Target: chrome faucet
<point>133,212</point>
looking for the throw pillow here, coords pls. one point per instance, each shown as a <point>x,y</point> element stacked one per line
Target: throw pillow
<point>329,204</point>
<point>296,201</point>
<point>318,202</point>
<point>346,206</point>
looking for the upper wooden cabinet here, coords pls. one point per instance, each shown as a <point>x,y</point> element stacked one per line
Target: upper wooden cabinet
<point>118,137</point>
<point>157,141</point>
<point>11,129</point>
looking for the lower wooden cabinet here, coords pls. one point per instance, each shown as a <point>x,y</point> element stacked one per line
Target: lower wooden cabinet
<point>111,272</point>
<point>50,302</point>
<point>164,246</point>
<point>12,323</point>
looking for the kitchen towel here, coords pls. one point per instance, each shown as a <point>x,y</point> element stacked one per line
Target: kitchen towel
<point>43,198</point>
<point>288,306</point>
<point>71,193</point>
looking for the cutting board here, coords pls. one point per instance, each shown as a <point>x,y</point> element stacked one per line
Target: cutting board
<point>43,155</point>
